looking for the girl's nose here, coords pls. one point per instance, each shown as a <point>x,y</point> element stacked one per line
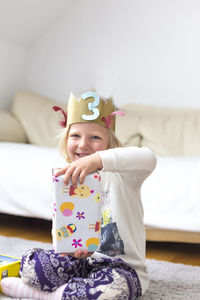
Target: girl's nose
<point>83,142</point>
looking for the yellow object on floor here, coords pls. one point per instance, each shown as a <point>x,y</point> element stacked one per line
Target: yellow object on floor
<point>9,267</point>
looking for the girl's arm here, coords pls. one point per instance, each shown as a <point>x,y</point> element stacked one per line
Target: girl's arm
<point>128,159</point>
<point>133,164</point>
<point>121,160</point>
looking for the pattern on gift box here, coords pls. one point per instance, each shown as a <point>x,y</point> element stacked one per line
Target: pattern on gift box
<point>67,208</point>
<point>96,227</point>
<point>81,191</point>
<point>81,206</point>
<point>92,244</point>
<point>80,215</point>
<point>65,231</point>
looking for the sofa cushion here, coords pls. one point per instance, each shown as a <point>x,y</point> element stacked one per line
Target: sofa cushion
<point>37,117</point>
<point>167,131</point>
<point>11,129</point>
<point>126,129</point>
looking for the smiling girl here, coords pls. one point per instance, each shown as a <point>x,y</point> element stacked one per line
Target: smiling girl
<point>117,270</point>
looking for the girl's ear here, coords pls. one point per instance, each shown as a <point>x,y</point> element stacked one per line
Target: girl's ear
<point>62,123</point>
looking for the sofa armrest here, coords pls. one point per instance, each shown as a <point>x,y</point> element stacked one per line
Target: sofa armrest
<point>10,128</point>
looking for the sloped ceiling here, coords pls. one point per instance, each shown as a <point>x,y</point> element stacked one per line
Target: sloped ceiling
<point>23,22</point>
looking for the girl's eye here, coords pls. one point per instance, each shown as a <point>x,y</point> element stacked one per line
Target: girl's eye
<point>75,135</point>
<point>95,137</point>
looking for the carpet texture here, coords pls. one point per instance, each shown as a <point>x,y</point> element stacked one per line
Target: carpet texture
<point>168,281</point>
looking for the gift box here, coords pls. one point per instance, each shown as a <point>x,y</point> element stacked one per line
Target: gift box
<point>76,214</point>
<point>9,267</point>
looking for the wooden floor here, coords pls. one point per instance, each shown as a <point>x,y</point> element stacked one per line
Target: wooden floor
<point>40,230</point>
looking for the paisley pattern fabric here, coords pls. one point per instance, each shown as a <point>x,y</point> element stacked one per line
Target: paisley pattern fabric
<point>105,278</point>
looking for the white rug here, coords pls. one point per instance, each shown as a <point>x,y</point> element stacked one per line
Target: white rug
<point>168,281</point>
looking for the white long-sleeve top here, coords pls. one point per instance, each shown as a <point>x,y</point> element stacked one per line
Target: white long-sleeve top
<point>123,233</point>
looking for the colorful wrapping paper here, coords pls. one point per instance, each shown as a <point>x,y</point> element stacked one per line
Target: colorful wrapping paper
<point>76,215</point>
<point>9,267</point>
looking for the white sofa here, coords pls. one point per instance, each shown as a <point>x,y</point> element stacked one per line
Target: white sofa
<point>28,152</point>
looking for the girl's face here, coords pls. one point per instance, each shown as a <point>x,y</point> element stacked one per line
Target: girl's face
<point>85,139</point>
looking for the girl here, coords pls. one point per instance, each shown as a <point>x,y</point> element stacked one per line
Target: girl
<point>117,270</point>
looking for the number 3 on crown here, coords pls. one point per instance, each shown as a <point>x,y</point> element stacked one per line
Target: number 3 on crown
<point>91,106</point>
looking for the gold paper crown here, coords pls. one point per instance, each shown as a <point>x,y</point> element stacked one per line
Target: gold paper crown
<point>90,108</point>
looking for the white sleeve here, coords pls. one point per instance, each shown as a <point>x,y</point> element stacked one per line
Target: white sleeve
<point>128,159</point>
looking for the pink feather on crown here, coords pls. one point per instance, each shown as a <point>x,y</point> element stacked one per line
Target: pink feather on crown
<point>108,120</point>
<point>62,123</point>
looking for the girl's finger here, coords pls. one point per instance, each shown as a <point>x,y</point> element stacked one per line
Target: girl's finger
<point>58,172</point>
<point>85,254</point>
<point>77,253</point>
<point>75,176</point>
<point>65,254</point>
<point>82,176</point>
<point>68,174</point>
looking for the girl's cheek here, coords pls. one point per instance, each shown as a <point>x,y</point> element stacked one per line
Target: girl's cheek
<point>102,147</point>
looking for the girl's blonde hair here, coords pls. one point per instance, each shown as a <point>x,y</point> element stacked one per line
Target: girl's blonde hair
<point>113,141</point>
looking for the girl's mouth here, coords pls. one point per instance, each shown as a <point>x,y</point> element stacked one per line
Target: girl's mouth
<point>79,155</point>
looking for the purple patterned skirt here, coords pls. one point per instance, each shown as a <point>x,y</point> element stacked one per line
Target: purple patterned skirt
<point>105,278</point>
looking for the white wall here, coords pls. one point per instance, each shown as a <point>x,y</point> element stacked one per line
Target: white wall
<point>137,50</point>
<point>13,62</point>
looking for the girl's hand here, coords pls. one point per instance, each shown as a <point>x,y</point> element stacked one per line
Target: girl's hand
<point>79,254</point>
<point>80,168</point>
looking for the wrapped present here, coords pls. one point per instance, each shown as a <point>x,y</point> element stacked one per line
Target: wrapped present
<point>76,215</point>
<point>9,267</point>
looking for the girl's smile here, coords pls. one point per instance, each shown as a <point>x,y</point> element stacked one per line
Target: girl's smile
<point>85,139</point>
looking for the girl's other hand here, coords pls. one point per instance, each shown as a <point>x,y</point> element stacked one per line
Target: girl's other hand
<point>80,168</point>
<point>79,254</point>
